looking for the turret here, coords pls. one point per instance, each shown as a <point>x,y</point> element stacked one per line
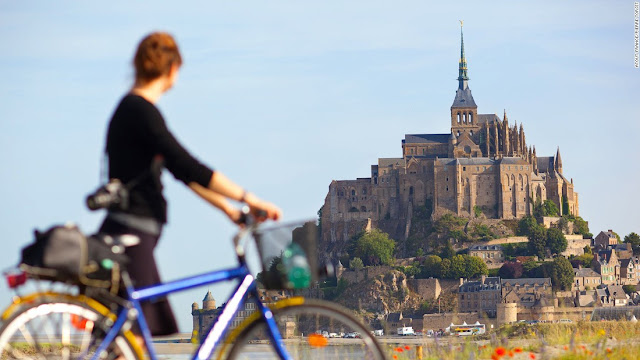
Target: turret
<point>208,303</point>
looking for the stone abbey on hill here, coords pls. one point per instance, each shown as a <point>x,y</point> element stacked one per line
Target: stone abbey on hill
<point>484,165</point>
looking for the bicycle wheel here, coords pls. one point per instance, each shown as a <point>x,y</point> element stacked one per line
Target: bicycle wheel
<point>311,329</point>
<point>61,327</point>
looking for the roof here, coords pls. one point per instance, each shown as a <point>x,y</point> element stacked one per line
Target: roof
<point>527,281</point>
<point>208,297</point>
<point>475,161</point>
<point>545,163</point>
<point>513,160</point>
<point>486,247</point>
<point>426,138</point>
<point>394,317</point>
<point>610,234</point>
<point>463,99</point>
<point>490,284</point>
<point>382,162</point>
<point>601,292</point>
<point>488,118</point>
<point>617,292</point>
<point>585,272</point>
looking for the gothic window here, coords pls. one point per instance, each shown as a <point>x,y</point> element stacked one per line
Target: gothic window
<point>411,190</point>
<point>464,118</point>
<point>411,151</point>
<point>459,118</point>
<point>458,133</point>
<point>470,132</point>
<point>464,168</point>
<point>447,188</point>
<point>353,193</point>
<point>467,149</point>
<point>471,120</point>
<point>364,191</point>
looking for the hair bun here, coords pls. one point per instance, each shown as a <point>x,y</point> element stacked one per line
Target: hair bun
<point>156,53</point>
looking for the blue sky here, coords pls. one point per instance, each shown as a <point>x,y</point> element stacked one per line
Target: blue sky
<point>285,96</point>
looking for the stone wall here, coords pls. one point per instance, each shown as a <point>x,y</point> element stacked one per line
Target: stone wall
<point>575,245</point>
<point>427,289</point>
<point>369,272</point>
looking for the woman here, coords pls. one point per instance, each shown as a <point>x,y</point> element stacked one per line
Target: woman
<point>138,144</point>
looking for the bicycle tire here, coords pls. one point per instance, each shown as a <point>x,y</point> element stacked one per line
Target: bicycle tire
<point>60,326</point>
<point>299,321</point>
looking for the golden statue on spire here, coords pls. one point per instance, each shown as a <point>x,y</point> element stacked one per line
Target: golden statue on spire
<point>460,23</point>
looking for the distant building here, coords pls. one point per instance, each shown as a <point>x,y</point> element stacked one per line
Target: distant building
<point>606,263</point>
<point>585,279</point>
<point>630,271</point>
<point>604,239</point>
<point>492,255</point>
<point>479,296</point>
<point>526,291</point>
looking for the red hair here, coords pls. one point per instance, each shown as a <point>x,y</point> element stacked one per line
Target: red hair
<point>156,53</point>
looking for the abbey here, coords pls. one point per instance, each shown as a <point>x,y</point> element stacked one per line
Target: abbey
<point>484,165</point>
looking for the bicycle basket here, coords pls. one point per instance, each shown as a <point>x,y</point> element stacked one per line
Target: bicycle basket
<point>288,255</point>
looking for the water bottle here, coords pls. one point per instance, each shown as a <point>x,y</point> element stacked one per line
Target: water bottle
<point>297,272</point>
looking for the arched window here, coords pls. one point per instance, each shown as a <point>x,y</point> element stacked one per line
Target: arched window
<point>470,118</point>
<point>470,132</point>
<point>364,191</point>
<point>464,118</point>
<point>458,133</point>
<point>363,209</point>
<point>353,193</point>
<point>411,190</point>
<point>459,118</point>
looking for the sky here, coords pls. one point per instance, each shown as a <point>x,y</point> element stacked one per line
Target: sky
<point>286,96</point>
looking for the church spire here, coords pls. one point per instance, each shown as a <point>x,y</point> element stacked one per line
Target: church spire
<point>462,66</point>
<point>558,162</point>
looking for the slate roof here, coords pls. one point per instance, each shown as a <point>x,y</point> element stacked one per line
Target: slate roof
<point>394,317</point>
<point>617,292</point>
<point>488,118</point>
<point>527,281</point>
<point>490,284</point>
<point>382,162</point>
<point>585,272</point>
<point>486,247</point>
<point>513,160</point>
<point>208,297</point>
<point>463,99</point>
<point>545,163</point>
<point>426,138</point>
<point>475,161</point>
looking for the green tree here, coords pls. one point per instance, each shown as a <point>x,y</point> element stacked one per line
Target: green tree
<point>375,248</point>
<point>474,266</point>
<point>445,269</point>
<point>538,209</point>
<point>565,206</point>
<point>587,250</point>
<point>448,251</point>
<point>550,208</point>
<point>537,241</point>
<point>525,225</point>
<point>457,269</point>
<point>556,242</point>
<point>561,273</point>
<point>581,227</point>
<point>432,266</point>
<point>356,263</point>
<point>634,240</point>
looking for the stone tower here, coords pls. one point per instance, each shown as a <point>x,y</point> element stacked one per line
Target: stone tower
<point>464,111</point>
<point>208,303</point>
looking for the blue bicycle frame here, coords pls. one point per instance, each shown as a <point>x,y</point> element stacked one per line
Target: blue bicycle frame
<point>217,331</point>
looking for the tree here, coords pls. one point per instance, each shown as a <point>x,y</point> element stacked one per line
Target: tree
<point>634,240</point>
<point>448,251</point>
<point>458,267</point>
<point>474,266</point>
<point>356,264</point>
<point>587,250</point>
<point>556,242</point>
<point>511,270</point>
<point>550,208</point>
<point>375,248</point>
<point>525,225</point>
<point>432,266</point>
<point>445,269</point>
<point>537,241</point>
<point>561,273</point>
<point>581,227</point>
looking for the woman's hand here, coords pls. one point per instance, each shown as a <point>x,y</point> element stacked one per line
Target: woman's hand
<point>262,210</point>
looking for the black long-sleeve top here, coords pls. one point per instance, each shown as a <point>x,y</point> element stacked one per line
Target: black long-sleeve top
<point>137,135</point>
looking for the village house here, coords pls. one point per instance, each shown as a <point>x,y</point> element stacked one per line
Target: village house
<point>585,279</point>
<point>527,291</point>
<point>492,255</point>
<point>629,271</point>
<point>479,296</point>
<point>606,263</point>
<point>612,295</point>
<point>604,239</point>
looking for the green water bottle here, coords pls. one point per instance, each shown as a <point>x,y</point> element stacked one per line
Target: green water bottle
<point>297,271</point>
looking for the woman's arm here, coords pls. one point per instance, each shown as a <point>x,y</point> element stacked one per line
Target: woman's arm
<point>220,184</point>
<point>216,200</point>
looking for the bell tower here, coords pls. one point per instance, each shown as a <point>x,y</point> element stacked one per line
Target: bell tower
<point>464,111</point>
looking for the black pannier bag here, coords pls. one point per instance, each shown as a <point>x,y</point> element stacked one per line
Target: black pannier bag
<point>65,254</point>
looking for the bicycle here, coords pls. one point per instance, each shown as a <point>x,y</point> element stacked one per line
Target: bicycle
<point>94,324</point>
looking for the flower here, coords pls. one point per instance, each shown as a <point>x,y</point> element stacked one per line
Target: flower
<point>510,353</point>
<point>601,332</point>
<point>395,356</point>
<point>609,350</point>
<point>407,347</point>
<point>517,350</point>
<point>399,349</point>
<point>500,351</point>
<point>532,355</point>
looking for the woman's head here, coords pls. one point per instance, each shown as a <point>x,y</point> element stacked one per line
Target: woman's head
<point>157,53</point>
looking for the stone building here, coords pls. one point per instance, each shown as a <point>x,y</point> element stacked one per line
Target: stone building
<point>630,271</point>
<point>585,279</point>
<point>492,255</point>
<point>204,318</point>
<point>527,292</point>
<point>484,164</point>
<point>479,296</point>
<point>606,263</point>
<point>604,239</point>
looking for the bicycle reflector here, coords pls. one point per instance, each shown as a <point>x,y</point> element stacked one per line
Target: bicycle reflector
<point>15,279</point>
